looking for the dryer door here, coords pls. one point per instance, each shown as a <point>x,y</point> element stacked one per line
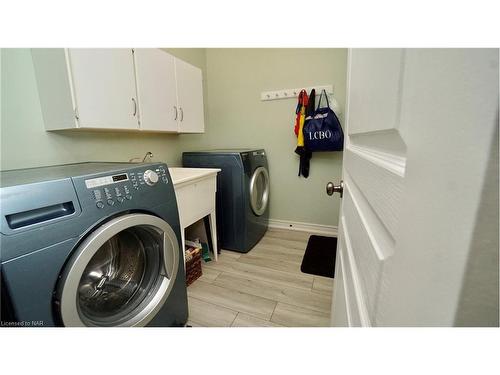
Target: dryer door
<point>122,274</point>
<point>259,191</point>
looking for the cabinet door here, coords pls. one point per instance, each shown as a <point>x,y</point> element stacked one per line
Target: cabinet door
<point>155,73</point>
<point>189,97</point>
<point>104,87</point>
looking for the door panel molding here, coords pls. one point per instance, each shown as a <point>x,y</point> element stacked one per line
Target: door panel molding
<point>367,255</point>
<point>381,239</point>
<point>376,88</point>
<point>380,186</point>
<point>340,315</point>
<point>353,287</point>
<point>393,163</point>
<point>389,144</point>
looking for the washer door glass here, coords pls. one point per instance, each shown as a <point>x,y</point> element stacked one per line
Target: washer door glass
<point>259,191</point>
<point>121,274</point>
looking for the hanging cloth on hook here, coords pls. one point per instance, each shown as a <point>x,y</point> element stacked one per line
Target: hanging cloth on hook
<point>303,100</point>
<point>311,104</point>
<point>302,119</point>
<point>304,154</point>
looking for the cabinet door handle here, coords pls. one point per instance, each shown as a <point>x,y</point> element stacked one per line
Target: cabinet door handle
<point>135,107</point>
<point>175,108</point>
<point>182,114</point>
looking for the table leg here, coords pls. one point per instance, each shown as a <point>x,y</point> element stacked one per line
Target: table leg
<point>183,244</point>
<point>213,229</point>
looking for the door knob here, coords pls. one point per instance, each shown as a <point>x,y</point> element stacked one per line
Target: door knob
<point>331,188</point>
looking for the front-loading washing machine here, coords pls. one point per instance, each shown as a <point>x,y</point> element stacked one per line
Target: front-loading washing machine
<point>91,244</point>
<point>242,198</point>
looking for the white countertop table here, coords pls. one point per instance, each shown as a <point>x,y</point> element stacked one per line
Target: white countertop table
<point>195,190</point>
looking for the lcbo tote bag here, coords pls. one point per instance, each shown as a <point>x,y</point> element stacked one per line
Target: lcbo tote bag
<point>323,132</point>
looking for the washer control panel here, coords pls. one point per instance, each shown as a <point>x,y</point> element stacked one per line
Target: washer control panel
<point>106,180</point>
<point>120,188</point>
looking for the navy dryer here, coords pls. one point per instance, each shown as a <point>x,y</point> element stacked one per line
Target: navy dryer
<point>242,194</point>
<point>91,244</point>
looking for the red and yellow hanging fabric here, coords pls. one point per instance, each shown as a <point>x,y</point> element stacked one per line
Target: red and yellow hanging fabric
<point>305,109</point>
<point>300,112</point>
<point>299,127</point>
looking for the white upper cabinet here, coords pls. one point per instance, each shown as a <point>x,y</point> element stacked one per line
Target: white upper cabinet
<point>189,97</point>
<point>156,88</point>
<point>86,88</point>
<point>104,87</point>
<point>122,89</point>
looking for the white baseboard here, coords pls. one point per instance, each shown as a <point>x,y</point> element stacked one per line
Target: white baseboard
<point>328,230</point>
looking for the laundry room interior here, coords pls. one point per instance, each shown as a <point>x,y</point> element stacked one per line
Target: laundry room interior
<point>238,169</point>
<point>234,117</point>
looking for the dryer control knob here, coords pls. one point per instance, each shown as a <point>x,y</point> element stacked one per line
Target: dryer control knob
<point>151,177</point>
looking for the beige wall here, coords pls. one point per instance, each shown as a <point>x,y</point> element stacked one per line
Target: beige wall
<point>234,117</point>
<point>25,143</point>
<point>237,118</point>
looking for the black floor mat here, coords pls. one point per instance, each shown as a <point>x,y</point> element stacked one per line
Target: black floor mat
<point>319,258</point>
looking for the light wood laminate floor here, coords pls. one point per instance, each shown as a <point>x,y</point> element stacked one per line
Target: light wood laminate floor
<point>262,288</point>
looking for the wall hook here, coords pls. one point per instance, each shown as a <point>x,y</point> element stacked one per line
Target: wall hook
<point>287,93</point>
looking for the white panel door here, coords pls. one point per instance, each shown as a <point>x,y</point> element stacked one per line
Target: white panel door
<point>103,83</point>
<point>156,90</point>
<point>189,97</point>
<point>420,125</point>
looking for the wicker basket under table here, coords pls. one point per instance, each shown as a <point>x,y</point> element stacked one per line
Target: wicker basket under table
<point>193,268</point>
